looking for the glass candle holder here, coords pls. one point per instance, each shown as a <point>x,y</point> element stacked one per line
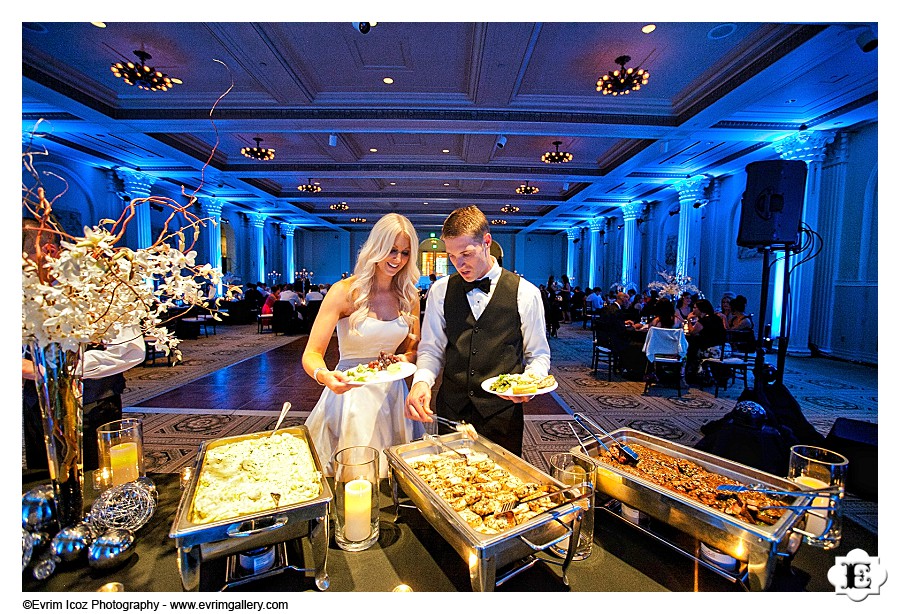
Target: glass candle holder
<point>572,470</point>
<point>820,468</point>
<point>121,450</point>
<point>356,482</point>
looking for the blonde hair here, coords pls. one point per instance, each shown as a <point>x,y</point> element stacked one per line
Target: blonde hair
<point>466,222</point>
<point>376,248</point>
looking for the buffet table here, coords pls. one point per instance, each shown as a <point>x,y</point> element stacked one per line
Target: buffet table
<point>409,551</point>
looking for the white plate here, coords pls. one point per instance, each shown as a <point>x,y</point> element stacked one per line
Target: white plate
<point>486,386</point>
<point>382,377</point>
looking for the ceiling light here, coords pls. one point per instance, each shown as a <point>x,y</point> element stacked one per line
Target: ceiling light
<point>143,76</point>
<point>527,189</point>
<point>341,206</point>
<point>624,80</point>
<point>393,183</point>
<point>556,157</point>
<point>373,150</point>
<point>498,222</point>
<point>332,140</point>
<point>388,80</point>
<point>446,184</point>
<point>309,186</point>
<point>99,24</point>
<point>258,153</point>
<point>509,209</point>
<point>358,220</point>
<point>445,150</point>
<point>650,27</point>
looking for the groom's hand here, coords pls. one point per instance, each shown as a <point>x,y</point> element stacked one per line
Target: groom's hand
<point>418,403</point>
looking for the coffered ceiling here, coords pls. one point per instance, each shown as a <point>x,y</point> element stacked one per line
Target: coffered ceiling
<point>719,95</point>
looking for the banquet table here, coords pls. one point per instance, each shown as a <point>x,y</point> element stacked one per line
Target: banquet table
<point>409,551</point>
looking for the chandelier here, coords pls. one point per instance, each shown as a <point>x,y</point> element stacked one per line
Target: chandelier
<point>310,187</point>
<point>526,189</point>
<point>622,81</point>
<point>556,157</point>
<point>498,222</point>
<point>258,153</point>
<point>358,220</point>
<point>341,206</point>
<point>509,209</point>
<point>143,76</point>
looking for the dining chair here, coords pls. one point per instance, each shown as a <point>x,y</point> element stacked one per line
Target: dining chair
<point>665,348</point>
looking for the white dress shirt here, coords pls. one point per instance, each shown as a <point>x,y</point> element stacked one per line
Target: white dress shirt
<point>432,347</point>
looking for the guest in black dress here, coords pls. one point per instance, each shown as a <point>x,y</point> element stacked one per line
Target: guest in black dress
<point>705,335</point>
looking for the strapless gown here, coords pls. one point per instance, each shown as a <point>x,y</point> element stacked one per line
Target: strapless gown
<point>370,415</point>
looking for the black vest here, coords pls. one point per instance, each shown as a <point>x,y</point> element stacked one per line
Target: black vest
<point>477,350</point>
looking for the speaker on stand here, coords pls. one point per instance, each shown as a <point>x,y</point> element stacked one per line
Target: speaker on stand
<point>772,203</point>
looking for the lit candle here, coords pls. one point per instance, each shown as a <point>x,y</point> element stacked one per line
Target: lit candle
<point>816,520</point>
<point>357,510</point>
<point>123,460</point>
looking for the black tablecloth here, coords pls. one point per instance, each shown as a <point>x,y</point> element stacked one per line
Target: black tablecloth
<point>411,552</point>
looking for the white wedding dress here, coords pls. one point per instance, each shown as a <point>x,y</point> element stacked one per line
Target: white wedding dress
<point>370,415</point>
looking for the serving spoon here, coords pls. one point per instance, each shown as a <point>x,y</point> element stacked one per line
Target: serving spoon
<point>284,411</point>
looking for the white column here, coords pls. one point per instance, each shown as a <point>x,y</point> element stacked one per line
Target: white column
<point>593,246</point>
<point>137,185</point>
<point>258,222</point>
<point>571,255</point>
<point>212,209</point>
<point>288,230</point>
<point>631,248</point>
<point>690,192</point>
<point>809,146</point>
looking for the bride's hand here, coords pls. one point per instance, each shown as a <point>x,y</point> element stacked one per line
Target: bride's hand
<point>336,381</point>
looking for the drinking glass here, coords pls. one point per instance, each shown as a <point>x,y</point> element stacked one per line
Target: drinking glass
<point>571,470</point>
<point>120,446</point>
<point>820,468</point>
<point>356,483</point>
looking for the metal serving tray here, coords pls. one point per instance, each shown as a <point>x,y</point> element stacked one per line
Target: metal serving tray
<point>484,553</point>
<point>756,545</point>
<point>207,541</point>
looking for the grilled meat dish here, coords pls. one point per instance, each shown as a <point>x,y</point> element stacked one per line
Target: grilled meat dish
<point>690,479</point>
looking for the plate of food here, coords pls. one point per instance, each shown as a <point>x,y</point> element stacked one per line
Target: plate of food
<point>519,384</point>
<point>386,368</point>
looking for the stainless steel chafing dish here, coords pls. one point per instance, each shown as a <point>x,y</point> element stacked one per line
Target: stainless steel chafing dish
<point>484,553</point>
<point>756,545</point>
<point>197,543</point>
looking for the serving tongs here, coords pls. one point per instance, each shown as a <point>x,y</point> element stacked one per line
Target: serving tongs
<point>735,488</point>
<point>461,427</point>
<point>436,440</point>
<point>582,419</point>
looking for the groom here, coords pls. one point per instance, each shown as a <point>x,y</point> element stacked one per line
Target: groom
<point>480,322</point>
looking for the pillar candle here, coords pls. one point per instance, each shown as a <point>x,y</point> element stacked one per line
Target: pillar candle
<point>123,460</point>
<point>816,520</point>
<point>357,510</point>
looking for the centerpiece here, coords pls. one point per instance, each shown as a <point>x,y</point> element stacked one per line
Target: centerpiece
<point>673,285</point>
<point>91,289</point>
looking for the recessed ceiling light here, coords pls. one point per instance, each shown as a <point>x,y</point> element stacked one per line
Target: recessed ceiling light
<point>650,27</point>
<point>393,183</point>
<point>388,80</point>
<point>721,31</point>
<point>445,150</point>
<point>373,150</point>
<point>791,100</point>
<point>424,203</point>
<point>99,24</point>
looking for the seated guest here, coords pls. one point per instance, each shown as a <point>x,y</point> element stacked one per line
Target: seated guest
<point>705,335</point>
<point>270,300</point>
<point>683,308</point>
<point>315,293</point>
<point>577,303</point>
<point>288,294</point>
<point>665,314</point>
<point>738,320</point>
<point>253,296</point>
<point>593,303</point>
<point>724,311</point>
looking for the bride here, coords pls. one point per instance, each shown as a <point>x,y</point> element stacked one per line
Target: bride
<point>374,310</point>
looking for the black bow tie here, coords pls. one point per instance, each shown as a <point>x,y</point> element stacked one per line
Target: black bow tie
<point>483,284</point>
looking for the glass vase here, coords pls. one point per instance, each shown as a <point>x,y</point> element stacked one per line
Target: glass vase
<point>356,499</point>
<point>58,378</point>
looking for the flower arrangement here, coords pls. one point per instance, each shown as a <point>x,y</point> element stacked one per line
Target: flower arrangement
<point>673,285</point>
<point>87,289</point>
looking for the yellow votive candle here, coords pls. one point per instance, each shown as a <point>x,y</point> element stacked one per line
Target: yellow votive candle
<point>357,510</point>
<point>123,460</point>
<point>816,520</point>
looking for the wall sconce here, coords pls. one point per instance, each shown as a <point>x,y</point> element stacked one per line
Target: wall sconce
<point>620,226</point>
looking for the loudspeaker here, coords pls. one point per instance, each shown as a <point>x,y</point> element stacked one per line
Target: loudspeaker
<point>772,203</point>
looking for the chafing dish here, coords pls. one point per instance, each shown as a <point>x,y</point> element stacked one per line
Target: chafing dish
<point>758,546</point>
<point>197,543</point>
<point>484,553</point>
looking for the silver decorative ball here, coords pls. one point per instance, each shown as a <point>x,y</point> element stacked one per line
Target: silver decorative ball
<point>112,548</point>
<point>38,510</point>
<point>27,548</point>
<point>71,542</point>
